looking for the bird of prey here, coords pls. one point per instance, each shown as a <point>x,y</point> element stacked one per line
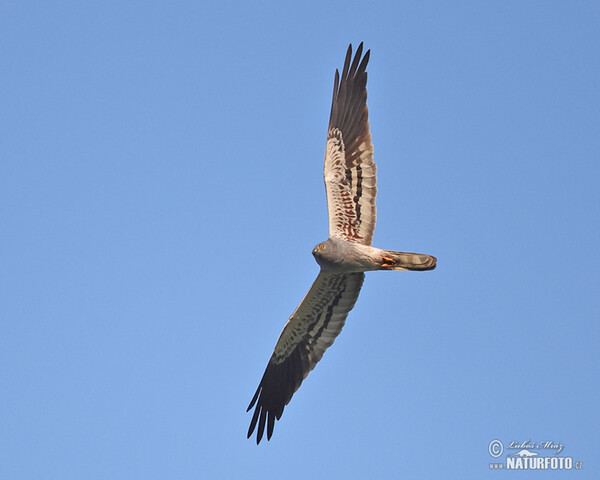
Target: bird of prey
<point>350,182</point>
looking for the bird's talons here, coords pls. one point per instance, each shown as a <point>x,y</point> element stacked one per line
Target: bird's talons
<point>387,261</point>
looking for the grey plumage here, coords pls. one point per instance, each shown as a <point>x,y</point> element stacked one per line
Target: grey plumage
<point>350,183</point>
<point>337,255</point>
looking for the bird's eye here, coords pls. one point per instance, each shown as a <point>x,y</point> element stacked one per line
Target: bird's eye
<point>321,246</point>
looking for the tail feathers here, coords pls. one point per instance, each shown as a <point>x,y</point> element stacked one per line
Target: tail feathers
<point>407,261</point>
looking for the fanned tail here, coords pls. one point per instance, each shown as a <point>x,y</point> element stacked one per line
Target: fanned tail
<point>407,261</point>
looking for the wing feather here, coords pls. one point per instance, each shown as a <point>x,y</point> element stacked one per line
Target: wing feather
<point>312,329</point>
<point>350,173</point>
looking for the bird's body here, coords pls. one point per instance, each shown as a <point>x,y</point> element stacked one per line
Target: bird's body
<point>337,255</point>
<point>350,182</point>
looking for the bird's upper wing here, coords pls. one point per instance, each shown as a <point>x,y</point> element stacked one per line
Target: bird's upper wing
<point>350,173</point>
<point>310,331</point>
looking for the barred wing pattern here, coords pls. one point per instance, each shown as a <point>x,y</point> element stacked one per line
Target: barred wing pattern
<point>310,331</point>
<point>350,173</point>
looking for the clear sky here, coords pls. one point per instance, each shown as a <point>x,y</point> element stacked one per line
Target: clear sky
<point>160,193</point>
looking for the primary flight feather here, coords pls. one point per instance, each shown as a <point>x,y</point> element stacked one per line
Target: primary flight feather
<point>350,182</point>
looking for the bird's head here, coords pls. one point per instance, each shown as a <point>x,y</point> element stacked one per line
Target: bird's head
<point>319,251</point>
<point>327,254</point>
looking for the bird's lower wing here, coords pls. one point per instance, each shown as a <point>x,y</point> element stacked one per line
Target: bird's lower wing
<point>310,331</point>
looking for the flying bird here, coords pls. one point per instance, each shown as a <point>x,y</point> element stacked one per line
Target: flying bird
<point>350,183</point>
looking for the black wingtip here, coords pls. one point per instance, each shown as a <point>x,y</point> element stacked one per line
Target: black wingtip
<point>363,65</point>
<point>357,56</point>
<point>347,62</point>
<point>254,398</point>
<point>270,425</point>
<point>253,422</point>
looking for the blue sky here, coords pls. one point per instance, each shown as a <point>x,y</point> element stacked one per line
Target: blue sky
<point>160,193</point>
